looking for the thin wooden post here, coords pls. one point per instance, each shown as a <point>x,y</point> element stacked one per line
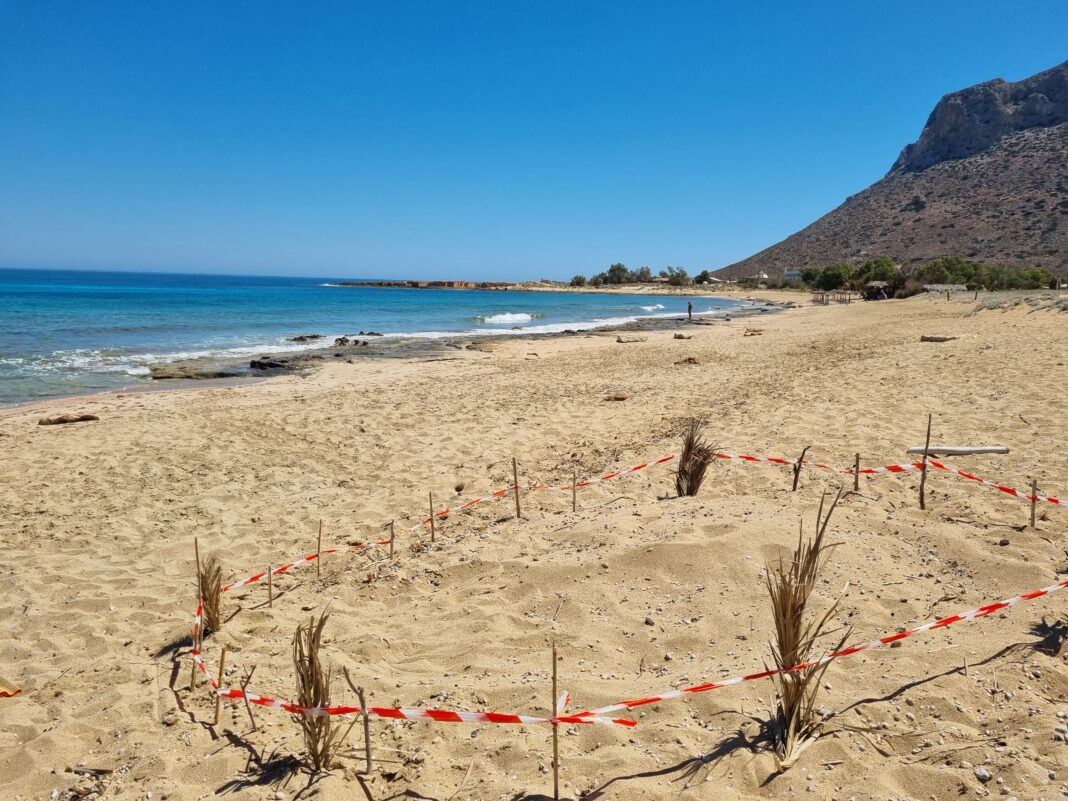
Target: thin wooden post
<point>797,467</point>
<point>556,734</point>
<point>856,472</point>
<point>222,677</point>
<point>515,480</point>
<point>431,516</point>
<point>1034,500</point>
<point>319,551</point>
<point>244,694</point>
<point>574,489</point>
<point>198,633</point>
<point>391,540</point>
<point>270,587</point>
<point>366,728</point>
<point>923,468</point>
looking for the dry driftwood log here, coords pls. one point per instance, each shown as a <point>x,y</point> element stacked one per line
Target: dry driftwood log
<point>66,418</point>
<point>683,336</point>
<point>932,338</point>
<point>622,338</point>
<point>958,450</point>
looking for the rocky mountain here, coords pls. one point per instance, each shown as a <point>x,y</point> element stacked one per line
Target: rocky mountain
<point>987,179</point>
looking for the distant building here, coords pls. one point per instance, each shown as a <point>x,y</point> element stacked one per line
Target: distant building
<point>792,275</point>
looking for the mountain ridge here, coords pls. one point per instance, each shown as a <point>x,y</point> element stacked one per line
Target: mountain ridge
<point>987,179</point>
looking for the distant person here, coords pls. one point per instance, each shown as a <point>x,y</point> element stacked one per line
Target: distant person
<point>689,310</point>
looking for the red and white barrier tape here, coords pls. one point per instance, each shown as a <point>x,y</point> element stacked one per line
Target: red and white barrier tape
<point>1008,490</point>
<point>606,477</point>
<point>597,715</point>
<point>969,615</point>
<point>436,715</point>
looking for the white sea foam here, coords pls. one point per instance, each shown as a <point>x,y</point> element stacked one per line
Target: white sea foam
<point>653,308</point>
<point>507,317</point>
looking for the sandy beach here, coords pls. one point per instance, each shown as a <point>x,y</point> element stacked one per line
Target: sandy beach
<point>641,591</point>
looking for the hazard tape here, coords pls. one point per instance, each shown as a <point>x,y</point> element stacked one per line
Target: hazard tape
<point>434,715</point>
<point>1008,490</point>
<point>969,615</point>
<point>597,716</point>
<point>907,467</point>
<point>606,477</point>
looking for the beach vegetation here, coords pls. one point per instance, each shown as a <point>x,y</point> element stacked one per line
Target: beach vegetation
<point>694,460</point>
<point>211,593</point>
<point>578,280</point>
<point>796,721</point>
<point>322,738</point>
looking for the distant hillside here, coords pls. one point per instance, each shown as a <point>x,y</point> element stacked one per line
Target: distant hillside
<point>987,179</point>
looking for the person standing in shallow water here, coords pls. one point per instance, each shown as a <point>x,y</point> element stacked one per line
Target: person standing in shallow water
<point>689,310</point>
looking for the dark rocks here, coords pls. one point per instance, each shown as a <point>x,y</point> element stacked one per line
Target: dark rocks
<point>268,363</point>
<point>66,418</point>
<point>341,341</point>
<point>369,334</point>
<point>191,370</point>
<point>305,338</point>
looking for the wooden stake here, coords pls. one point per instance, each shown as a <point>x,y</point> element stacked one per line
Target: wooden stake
<point>856,472</point>
<point>1034,500</point>
<point>556,734</point>
<point>218,698</point>
<point>270,587</point>
<point>391,540</point>
<point>198,634</point>
<point>798,466</point>
<point>244,693</point>
<point>431,516</point>
<point>366,728</point>
<point>319,552</point>
<point>923,469</point>
<point>515,479</point>
<point>574,489</point>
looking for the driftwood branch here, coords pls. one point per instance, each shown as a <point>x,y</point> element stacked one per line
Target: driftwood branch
<point>958,450</point>
<point>932,338</point>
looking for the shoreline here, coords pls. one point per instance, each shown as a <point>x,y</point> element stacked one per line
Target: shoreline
<point>389,347</point>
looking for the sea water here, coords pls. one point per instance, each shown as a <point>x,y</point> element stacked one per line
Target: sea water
<point>70,332</point>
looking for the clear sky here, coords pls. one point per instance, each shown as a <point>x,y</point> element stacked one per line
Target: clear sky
<point>466,139</point>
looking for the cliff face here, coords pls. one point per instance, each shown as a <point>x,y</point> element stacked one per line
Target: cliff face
<point>987,179</point>
<point>973,120</point>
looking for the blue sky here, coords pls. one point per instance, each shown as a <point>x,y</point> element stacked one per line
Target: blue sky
<point>466,140</point>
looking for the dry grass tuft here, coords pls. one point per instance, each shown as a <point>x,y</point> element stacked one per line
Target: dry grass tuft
<point>694,460</point>
<point>796,723</point>
<point>211,593</point>
<point>322,738</point>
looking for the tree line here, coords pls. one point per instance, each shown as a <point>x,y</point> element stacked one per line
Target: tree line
<point>910,280</point>
<point>621,274</point>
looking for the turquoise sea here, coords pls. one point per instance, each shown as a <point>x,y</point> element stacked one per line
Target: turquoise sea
<point>70,332</point>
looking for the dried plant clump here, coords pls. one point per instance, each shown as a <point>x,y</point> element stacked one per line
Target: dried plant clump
<point>694,460</point>
<point>322,738</point>
<point>796,722</point>
<point>211,593</point>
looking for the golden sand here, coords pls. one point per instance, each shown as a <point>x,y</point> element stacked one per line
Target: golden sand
<point>98,522</point>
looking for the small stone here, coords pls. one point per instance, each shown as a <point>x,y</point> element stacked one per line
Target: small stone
<point>668,657</point>
<point>983,775</point>
<point>649,621</point>
<point>1003,542</point>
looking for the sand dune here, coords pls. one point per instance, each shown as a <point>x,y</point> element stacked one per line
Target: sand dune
<point>98,521</point>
